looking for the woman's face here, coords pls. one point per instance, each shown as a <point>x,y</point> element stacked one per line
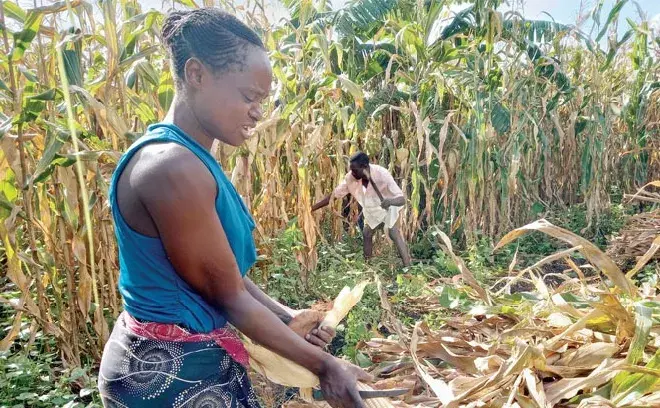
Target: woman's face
<point>228,105</point>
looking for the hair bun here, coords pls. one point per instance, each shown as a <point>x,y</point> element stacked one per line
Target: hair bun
<point>172,27</point>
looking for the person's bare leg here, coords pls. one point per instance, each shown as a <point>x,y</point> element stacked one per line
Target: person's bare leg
<point>401,247</point>
<point>368,245</point>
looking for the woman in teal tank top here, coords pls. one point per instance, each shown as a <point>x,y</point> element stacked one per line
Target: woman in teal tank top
<point>185,240</point>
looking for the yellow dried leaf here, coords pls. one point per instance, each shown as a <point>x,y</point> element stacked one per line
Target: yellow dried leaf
<point>14,272</point>
<point>438,350</point>
<point>589,250</point>
<point>565,307</point>
<point>277,368</point>
<point>589,355</point>
<point>655,183</point>
<point>488,365</point>
<point>84,291</point>
<point>581,323</point>
<point>440,388</point>
<point>568,388</point>
<point>7,341</point>
<point>646,258</point>
<point>559,320</point>
<point>466,274</point>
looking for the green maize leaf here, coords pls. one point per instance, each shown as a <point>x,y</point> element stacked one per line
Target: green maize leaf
<point>360,17</point>
<point>147,71</point>
<point>13,10</point>
<point>72,67</point>
<point>31,107</point>
<point>633,386</point>
<point>5,124</point>
<point>614,13</point>
<point>8,188</point>
<point>188,3</point>
<point>6,207</point>
<point>433,13</point>
<point>3,86</point>
<point>352,88</point>
<point>28,74</point>
<point>131,77</point>
<point>643,323</point>
<point>48,95</point>
<point>128,62</point>
<point>23,38</point>
<point>166,90</point>
<point>500,118</point>
<point>146,21</point>
<point>293,106</point>
<point>145,113</point>
<point>45,166</point>
<point>462,22</point>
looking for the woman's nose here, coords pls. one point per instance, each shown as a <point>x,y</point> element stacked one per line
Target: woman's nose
<point>256,114</point>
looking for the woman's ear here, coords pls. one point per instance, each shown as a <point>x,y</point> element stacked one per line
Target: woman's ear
<point>194,73</point>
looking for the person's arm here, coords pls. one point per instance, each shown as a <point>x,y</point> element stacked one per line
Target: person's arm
<point>322,203</point>
<point>339,192</point>
<point>398,199</point>
<point>284,313</point>
<point>395,201</point>
<point>304,323</point>
<point>179,194</point>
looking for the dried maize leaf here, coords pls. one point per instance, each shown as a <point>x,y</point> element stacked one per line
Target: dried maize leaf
<point>466,274</point>
<point>588,356</point>
<point>655,245</point>
<point>589,250</point>
<point>440,388</point>
<point>8,340</point>
<point>568,388</point>
<point>559,320</point>
<point>488,365</point>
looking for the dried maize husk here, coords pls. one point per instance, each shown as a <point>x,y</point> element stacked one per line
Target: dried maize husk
<point>284,371</point>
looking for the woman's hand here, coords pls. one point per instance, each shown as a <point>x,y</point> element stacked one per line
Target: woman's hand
<point>339,384</point>
<point>305,324</point>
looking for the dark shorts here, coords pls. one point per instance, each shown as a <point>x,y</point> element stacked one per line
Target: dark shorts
<point>139,372</point>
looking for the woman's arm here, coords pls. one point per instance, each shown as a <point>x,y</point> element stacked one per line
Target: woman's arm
<point>284,313</point>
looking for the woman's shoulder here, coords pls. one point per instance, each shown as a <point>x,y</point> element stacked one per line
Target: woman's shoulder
<point>166,166</point>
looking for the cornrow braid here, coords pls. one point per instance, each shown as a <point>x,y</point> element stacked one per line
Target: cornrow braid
<point>217,38</point>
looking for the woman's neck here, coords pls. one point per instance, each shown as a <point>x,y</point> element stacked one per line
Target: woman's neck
<point>185,119</point>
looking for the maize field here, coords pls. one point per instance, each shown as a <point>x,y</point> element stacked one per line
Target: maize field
<point>485,119</point>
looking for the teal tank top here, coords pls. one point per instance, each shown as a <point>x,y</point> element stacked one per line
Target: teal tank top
<point>150,286</point>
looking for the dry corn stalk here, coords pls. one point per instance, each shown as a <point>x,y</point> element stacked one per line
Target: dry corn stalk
<point>284,371</point>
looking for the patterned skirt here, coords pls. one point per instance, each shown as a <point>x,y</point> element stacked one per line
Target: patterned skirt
<point>159,365</point>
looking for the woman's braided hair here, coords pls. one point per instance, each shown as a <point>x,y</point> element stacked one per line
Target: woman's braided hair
<point>215,37</point>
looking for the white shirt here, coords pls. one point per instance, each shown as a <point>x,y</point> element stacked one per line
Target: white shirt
<point>374,214</point>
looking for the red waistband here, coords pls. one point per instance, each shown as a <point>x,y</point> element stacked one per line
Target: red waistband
<point>226,338</point>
